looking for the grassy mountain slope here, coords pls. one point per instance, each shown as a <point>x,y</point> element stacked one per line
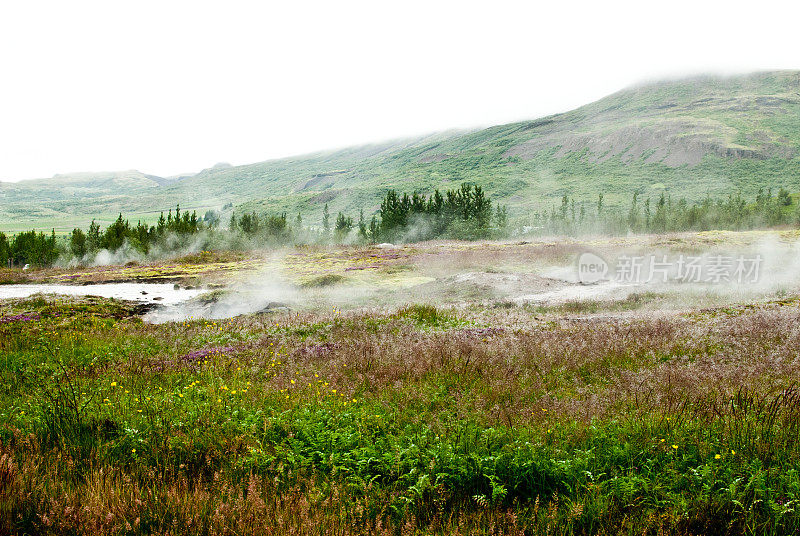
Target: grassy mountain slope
<point>690,137</point>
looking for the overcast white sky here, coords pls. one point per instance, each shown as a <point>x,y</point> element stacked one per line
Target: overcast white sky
<point>169,86</point>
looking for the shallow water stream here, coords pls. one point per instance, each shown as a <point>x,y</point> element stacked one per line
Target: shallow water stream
<point>161,293</point>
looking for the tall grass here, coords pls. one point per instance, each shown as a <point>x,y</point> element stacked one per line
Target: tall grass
<point>415,421</point>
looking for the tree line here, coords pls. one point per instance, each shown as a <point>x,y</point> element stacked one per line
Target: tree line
<point>665,214</point>
<point>28,247</point>
<point>140,237</point>
<point>464,213</point>
<point>39,249</point>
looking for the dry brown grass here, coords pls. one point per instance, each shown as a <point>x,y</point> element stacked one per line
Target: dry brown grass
<point>724,379</point>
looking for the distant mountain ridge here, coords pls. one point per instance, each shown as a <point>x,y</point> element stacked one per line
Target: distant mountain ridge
<point>691,137</point>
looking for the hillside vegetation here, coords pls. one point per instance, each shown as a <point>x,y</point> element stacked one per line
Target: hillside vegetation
<point>690,138</point>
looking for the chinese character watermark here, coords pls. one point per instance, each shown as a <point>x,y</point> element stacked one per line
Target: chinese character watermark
<point>638,269</point>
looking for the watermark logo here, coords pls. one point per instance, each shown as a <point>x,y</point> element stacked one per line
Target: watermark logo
<point>638,269</point>
<point>591,268</point>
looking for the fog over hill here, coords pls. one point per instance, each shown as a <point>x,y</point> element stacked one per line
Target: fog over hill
<point>688,137</point>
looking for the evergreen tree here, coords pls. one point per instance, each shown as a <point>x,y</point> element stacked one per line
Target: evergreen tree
<point>326,220</point>
<point>394,213</point>
<point>344,225</point>
<point>374,228</point>
<point>660,218</point>
<point>797,214</point>
<point>5,250</point>
<point>93,240</point>
<point>501,219</point>
<point>633,214</point>
<point>249,224</point>
<point>211,218</point>
<point>274,228</point>
<point>362,226</point>
<point>77,243</point>
<point>115,234</point>
<point>783,198</point>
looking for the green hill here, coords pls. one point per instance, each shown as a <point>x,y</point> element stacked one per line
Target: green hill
<point>691,138</point>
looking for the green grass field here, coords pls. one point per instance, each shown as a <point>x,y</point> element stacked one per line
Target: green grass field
<point>592,417</point>
<point>420,420</point>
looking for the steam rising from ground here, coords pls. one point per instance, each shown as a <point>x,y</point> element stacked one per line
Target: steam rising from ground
<point>452,277</point>
<point>268,290</point>
<point>767,269</point>
<point>259,294</point>
<point>174,245</point>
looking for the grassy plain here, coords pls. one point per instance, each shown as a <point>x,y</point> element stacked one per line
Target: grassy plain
<point>471,415</point>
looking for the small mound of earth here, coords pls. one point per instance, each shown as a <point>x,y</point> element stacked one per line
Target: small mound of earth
<point>273,307</point>
<point>483,286</point>
<point>604,290</point>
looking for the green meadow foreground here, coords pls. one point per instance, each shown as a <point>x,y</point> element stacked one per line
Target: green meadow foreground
<point>451,408</point>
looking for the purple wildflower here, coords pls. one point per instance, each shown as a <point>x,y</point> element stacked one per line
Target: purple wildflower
<point>197,355</point>
<point>192,358</point>
<point>19,318</point>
